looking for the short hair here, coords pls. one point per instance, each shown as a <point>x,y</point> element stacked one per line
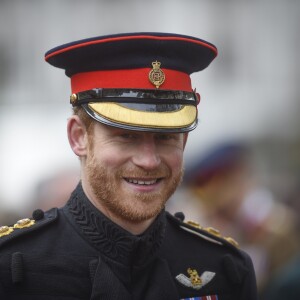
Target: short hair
<point>88,122</point>
<point>85,118</point>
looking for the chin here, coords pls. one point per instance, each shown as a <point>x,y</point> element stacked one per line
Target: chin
<point>138,212</point>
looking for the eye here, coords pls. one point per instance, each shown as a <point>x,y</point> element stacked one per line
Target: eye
<point>128,136</point>
<point>167,136</point>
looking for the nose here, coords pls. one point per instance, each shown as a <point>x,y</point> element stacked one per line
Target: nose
<point>146,155</point>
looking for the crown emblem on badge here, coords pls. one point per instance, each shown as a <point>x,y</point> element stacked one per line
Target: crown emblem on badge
<point>195,281</point>
<point>156,75</point>
<point>194,277</point>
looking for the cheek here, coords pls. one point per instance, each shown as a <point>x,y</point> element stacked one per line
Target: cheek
<point>175,160</point>
<point>109,158</point>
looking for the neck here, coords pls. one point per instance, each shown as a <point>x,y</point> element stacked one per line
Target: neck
<point>134,227</point>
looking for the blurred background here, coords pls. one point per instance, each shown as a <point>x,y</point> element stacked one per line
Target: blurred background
<point>243,160</point>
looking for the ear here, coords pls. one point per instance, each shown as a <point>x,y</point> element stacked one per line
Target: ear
<point>77,136</point>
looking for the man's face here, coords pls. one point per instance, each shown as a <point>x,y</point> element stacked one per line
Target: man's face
<point>132,174</point>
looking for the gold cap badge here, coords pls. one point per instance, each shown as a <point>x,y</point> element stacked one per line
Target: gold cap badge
<point>156,75</point>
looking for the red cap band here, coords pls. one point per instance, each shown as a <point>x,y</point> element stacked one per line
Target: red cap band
<point>131,78</point>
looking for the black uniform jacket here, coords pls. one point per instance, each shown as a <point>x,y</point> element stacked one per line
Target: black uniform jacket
<point>77,253</point>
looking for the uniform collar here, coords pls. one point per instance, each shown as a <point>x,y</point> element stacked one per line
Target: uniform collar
<point>111,240</point>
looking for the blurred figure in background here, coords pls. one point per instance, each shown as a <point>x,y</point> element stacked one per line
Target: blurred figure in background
<point>51,191</point>
<point>284,284</point>
<point>226,194</point>
<point>7,216</point>
<point>55,190</point>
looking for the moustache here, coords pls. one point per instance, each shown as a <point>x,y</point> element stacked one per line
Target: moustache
<point>136,172</point>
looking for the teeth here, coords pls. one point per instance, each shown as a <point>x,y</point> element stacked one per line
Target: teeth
<point>142,182</point>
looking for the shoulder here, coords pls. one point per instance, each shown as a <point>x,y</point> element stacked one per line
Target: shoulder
<point>206,248</point>
<point>209,234</point>
<point>27,226</point>
<point>191,237</point>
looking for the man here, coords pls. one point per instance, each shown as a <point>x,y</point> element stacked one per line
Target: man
<point>133,107</point>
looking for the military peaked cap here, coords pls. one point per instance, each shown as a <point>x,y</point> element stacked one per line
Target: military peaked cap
<point>137,81</point>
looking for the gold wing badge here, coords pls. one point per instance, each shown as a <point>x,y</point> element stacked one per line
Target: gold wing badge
<point>195,281</point>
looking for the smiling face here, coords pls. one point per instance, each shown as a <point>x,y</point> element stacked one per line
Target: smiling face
<point>130,175</point>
